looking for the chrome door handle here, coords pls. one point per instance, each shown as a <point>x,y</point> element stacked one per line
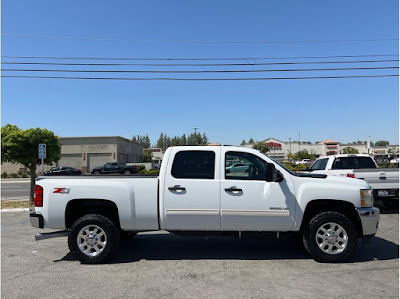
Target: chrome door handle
<point>177,188</point>
<point>233,189</point>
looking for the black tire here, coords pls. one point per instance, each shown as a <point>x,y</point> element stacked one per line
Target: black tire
<point>127,171</point>
<point>112,235</point>
<point>390,203</point>
<point>310,241</point>
<point>96,172</point>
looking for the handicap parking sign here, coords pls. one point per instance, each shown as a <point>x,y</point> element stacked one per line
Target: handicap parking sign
<point>42,151</point>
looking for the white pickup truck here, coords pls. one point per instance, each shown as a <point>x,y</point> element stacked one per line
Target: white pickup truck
<point>194,194</point>
<point>383,181</point>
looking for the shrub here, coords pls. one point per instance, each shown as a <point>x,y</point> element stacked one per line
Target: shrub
<point>388,165</point>
<point>300,167</point>
<point>4,174</point>
<point>288,166</point>
<point>13,175</point>
<point>153,171</point>
<point>140,168</point>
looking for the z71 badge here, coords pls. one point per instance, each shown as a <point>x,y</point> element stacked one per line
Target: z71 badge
<point>62,190</point>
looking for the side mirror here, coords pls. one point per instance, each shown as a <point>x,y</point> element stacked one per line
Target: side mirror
<point>272,174</point>
<point>279,176</point>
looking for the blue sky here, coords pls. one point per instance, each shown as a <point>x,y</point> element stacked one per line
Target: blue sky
<point>340,109</point>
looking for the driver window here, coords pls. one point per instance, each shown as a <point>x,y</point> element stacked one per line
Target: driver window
<point>244,166</point>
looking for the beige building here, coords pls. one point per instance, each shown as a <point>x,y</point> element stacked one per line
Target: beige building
<point>280,149</point>
<point>85,153</point>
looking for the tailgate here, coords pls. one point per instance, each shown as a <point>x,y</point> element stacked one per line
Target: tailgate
<point>380,178</point>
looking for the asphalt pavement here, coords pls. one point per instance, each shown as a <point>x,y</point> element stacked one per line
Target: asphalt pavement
<point>15,189</point>
<point>155,265</point>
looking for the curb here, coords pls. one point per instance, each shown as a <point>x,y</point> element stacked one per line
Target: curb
<point>15,210</point>
<point>10,181</point>
<point>15,198</point>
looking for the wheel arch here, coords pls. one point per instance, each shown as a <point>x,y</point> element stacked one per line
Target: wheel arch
<point>318,206</point>
<point>77,208</point>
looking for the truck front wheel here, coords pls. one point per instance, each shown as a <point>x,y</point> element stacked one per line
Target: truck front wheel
<point>330,237</point>
<point>93,239</point>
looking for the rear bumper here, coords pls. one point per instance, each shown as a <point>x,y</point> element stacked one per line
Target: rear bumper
<point>36,220</point>
<point>369,220</point>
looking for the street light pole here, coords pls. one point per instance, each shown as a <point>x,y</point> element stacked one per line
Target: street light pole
<point>290,148</point>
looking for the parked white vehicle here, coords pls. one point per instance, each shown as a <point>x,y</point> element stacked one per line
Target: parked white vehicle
<point>384,181</point>
<point>304,161</point>
<point>194,194</point>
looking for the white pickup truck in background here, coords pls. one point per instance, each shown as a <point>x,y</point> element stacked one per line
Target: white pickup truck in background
<point>384,181</point>
<point>195,194</point>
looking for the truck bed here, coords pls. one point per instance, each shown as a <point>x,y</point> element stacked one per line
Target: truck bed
<point>135,196</point>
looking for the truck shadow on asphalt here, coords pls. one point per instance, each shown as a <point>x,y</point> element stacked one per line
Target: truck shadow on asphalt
<point>172,247</point>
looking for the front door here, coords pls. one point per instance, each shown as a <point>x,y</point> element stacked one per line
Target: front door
<point>248,201</point>
<point>192,190</point>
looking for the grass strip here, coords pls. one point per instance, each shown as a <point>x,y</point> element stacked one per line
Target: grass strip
<point>14,204</point>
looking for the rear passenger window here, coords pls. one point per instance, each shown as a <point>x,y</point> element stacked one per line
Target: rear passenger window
<point>194,165</point>
<point>353,163</point>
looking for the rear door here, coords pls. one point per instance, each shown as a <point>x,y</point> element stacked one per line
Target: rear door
<point>192,190</point>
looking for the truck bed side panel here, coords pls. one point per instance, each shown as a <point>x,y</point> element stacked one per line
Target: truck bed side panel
<point>135,198</point>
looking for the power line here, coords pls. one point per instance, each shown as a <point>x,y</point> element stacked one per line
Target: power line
<point>203,79</point>
<point>199,41</point>
<point>195,59</point>
<point>202,71</point>
<point>200,64</point>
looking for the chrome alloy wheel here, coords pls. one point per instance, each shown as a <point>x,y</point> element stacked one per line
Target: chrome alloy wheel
<point>331,238</point>
<point>91,240</point>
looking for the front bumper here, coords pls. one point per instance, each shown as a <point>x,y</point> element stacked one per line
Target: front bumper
<point>36,220</point>
<point>369,220</point>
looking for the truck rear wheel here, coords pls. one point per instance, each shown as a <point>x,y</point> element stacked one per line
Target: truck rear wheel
<point>93,239</point>
<point>127,171</point>
<point>330,237</point>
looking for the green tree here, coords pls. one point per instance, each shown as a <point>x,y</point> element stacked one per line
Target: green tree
<point>183,140</point>
<point>349,150</point>
<point>160,141</point>
<point>251,141</point>
<point>144,140</point>
<point>243,142</point>
<point>21,146</point>
<point>261,146</point>
<point>147,155</point>
<point>302,155</point>
<point>382,143</point>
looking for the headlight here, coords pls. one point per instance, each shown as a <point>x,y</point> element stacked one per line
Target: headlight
<point>367,200</point>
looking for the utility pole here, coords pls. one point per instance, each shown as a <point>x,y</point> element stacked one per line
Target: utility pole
<point>299,141</point>
<point>290,148</point>
<point>195,130</point>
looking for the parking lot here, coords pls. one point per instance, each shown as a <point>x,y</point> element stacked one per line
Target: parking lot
<point>163,265</point>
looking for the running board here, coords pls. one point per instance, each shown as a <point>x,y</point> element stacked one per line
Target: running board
<point>43,236</point>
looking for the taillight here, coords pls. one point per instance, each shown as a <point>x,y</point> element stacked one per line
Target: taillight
<point>351,175</point>
<point>38,196</point>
